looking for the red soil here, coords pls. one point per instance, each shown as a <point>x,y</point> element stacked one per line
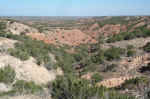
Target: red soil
<point>69,37</point>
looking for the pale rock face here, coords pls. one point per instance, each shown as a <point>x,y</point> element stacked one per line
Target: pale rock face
<point>4,88</point>
<point>59,72</point>
<point>28,70</point>
<point>18,28</point>
<point>139,24</point>
<point>114,82</point>
<point>7,43</point>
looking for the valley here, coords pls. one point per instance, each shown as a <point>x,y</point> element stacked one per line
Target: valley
<point>68,57</point>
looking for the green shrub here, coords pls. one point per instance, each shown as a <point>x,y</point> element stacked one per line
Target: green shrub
<point>98,57</point>
<point>113,20</point>
<point>130,47</point>
<point>69,88</point>
<point>22,86</point>
<point>66,62</point>
<point>116,95</point>
<point>40,51</point>
<point>10,93</point>
<point>114,53</point>
<point>115,38</point>
<point>110,68</point>
<point>97,77</point>
<point>131,53</point>
<point>147,47</point>
<point>140,32</point>
<point>23,55</point>
<point>2,26</point>
<point>131,50</point>
<point>78,57</point>
<point>7,75</point>
<point>75,88</point>
<point>28,47</point>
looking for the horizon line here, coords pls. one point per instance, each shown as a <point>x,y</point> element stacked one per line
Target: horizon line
<point>69,16</point>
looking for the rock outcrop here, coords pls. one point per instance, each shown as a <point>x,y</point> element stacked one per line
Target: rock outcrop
<point>69,37</point>
<point>27,70</point>
<point>114,82</point>
<point>4,88</point>
<point>18,28</point>
<point>7,43</point>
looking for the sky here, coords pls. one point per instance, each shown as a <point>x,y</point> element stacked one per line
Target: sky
<point>74,7</point>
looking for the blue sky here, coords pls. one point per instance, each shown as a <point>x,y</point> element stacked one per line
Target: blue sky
<point>74,7</point>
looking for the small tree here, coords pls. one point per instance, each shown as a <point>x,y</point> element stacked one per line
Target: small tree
<point>22,86</point>
<point>7,75</point>
<point>114,53</point>
<point>96,78</point>
<point>147,47</point>
<point>131,53</point>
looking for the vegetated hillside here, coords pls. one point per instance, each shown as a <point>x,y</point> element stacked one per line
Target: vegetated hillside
<point>20,73</point>
<point>102,58</point>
